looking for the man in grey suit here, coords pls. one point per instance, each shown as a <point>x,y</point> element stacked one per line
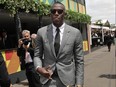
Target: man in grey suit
<point>58,54</point>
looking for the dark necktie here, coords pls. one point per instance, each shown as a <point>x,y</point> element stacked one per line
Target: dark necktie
<point>57,41</point>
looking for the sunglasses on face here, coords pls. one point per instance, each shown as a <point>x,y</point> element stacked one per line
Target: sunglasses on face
<point>59,11</point>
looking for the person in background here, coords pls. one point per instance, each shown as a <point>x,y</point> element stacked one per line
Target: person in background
<point>94,39</point>
<point>4,76</point>
<point>33,37</point>
<point>108,41</point>
<point>25,52</point>
<point>6,40</point>
<point>112,37</point>
<point>62,48</point>
<point>1,42</point>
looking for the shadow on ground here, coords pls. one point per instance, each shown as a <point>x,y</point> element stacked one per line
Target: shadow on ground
<point>108,76</point>
<point>24,83</point>
<point>21,83</point>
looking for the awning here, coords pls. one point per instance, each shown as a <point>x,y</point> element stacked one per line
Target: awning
<point>95,26</point>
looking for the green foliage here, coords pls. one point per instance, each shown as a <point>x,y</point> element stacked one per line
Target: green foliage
<point>44,9</point>
<point>77,17</point>
<point>14,6</point>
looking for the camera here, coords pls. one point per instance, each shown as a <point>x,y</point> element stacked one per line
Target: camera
<point>26,41</point>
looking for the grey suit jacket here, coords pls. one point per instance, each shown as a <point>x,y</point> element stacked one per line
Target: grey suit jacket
<point>69,61</point>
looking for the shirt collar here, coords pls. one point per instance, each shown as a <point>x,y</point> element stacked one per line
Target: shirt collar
<point>61,27</point>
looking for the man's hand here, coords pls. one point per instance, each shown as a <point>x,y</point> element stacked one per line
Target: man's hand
<point>20,42</point>
<point>45,71</point>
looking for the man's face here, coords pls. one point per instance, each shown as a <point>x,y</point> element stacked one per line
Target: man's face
<point>26,36</point>
<point>57,14</point>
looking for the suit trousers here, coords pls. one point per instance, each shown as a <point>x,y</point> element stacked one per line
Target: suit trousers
<point>54,82</point>
<point>4,77</point>
<point>32,76</point>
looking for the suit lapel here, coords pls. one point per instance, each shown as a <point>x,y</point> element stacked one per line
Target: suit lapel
<point>65,38</point>
<point>50,38</point>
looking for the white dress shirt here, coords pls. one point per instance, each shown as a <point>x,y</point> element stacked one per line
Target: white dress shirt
<point>61,32</point>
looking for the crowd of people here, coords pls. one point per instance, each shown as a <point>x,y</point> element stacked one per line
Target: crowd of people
<point>107,39</point>
<point>53,57</point>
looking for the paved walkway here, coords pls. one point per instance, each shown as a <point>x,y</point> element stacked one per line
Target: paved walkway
<point>100,69</point>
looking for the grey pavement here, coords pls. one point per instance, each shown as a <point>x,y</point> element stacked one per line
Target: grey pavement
<point>100,69</point>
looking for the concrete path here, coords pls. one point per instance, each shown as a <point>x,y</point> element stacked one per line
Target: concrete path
<point>100,69</point>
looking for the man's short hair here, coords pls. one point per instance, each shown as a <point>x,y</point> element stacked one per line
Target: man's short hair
<point>25,31</point>
<point>57,2</point>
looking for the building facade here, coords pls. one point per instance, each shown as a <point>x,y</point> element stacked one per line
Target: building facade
<point>30,22</point>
